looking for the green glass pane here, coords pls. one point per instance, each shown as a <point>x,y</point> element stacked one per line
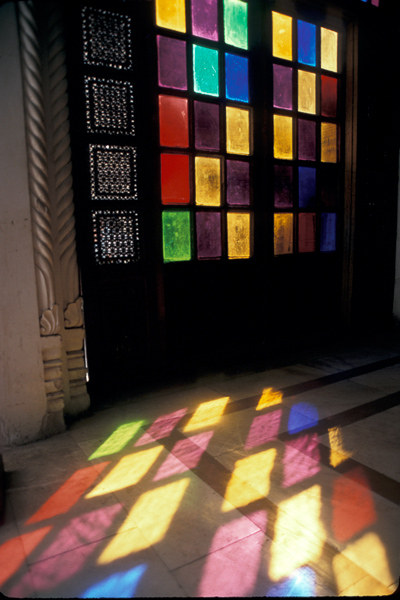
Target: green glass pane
<point>176,236</point>
<point>205,71</point>
<point>235,23</point>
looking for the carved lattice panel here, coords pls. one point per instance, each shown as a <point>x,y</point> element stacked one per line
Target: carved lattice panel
<point>116,236</point>
<point>106,39</point>
<point>113,173</point>
<point>109,106</point>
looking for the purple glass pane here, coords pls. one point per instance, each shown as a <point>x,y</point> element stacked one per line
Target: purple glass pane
<point>171,63</point>
<point>205,19</point>
<point>306,140</point>
<point>206,126</point>
<point>208,232</point>
<point>282,87</point>
<point>283,186</point>
<point>237,182</point>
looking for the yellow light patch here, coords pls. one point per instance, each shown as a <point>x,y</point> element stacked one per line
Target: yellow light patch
<point>239,237</point>
<point>207,414</point>
<point>208,181</point>
<point>328,142</point>
<point>329,49</point>
<point>299,533</point>
<point>171,14</point>
<point>128,471</point>
<point>306,92</point>
<point>283,233</point>
<point>250,480</point>
<point>338,453</point>
<point>237,130</point>
<point>152,515</point>
<point>269,398</point>
<point>281,36</point>
<point>283,137</point>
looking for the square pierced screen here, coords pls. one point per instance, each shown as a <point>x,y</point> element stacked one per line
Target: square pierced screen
<point>116,236</point>
<point>106,39</point>
<point>113,173</point>
<point>109,106</point>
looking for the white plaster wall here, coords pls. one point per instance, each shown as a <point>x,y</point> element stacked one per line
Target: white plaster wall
<point>22,390</point>
<point>396,299</point>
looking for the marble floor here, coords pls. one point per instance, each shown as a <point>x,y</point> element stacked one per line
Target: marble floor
<point>272,481</point>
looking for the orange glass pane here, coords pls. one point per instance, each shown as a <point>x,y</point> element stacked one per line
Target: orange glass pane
<point>306,92</point>
<point>208,181</point>
<point>281,36</point>
<point>174,130</point>
<point>283,233</point>
<point>328,142</point>
<point>283,137</point>
<point>171,14</point>
<point>239,235</point>
<point>329,49</point>
<point>237,130</point>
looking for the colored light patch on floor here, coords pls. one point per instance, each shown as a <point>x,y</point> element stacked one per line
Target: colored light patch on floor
<point>68,494</point>
<point>269,397</point>
<point>302,416</point>
<point>301,459</point>
<point>207,414</point>
<point>250,480</point>
<point>151,515</point>
<point>301,584</point>
<point>118,585</point>
<point>263,428</point>
<point>298,528</point>
<point>13,553</point>
<point>117,440</point>
<point>128,471</point>
<point>231,569</point>
<point>352,505</point>
<point>338,453</point>
<point>185,455</point>
<point>161,428</point>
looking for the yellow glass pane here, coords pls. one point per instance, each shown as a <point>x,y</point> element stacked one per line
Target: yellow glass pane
<point>329,49</point>
<point>237,130</point>
<point>283,137</point>
<point>283,233</point>
<point>239,237</point>
<point>328,142</point>
<point>208,181</point>
<point>306,87</point>
<point>171,14</point>
<point>281,36</point>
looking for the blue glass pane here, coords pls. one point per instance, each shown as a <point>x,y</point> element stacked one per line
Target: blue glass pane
<point>306,43</point>
<point>307,186</point>
<point>236,78</point>
<point>328,232</point>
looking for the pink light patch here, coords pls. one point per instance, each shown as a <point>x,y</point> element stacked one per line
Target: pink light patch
<point>264,428</point>
<point>301,459</point>
<point>185,455</point>
<point>162,427</point>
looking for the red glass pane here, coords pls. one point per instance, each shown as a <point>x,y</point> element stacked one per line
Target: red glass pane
<point>307,232</point>
<point>175,179</point>
<point>174,129</point>
<point>328,96</point>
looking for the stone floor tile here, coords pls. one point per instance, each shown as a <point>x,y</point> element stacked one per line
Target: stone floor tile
<point>387,380</point>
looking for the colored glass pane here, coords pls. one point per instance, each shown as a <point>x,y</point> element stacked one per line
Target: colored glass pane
<point>329,181</point>
<point>283,233</point>
<point>237,182</point>
<point>328,142</point>
<point>174,129</point>
<point>306,144</point>
<point>171,14</point>
<point>375,2</point>
<point>171,63</point>
<point>236,78</point>
<point>208,232</point>
<point>175,179</point>
<point>208,181</point>
<point>307,187</point>
<point>306,92</point>
<point>328,232</point>
<point>176,236</point>
<point>307,223</point>
<point>329,49</point>
<point>235,23</point>
<point>206,126</point>
<point>205,19</point>
<point>283,186</point>
<point>205,70</point>
<point>237,130</point>
<point>283,87</point>
<point>283,137</point>
<point>281,36</point>
<point>328,96</point>
<point>239,243</point>
<point>306,43</point>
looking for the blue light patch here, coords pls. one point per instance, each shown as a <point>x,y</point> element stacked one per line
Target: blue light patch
<point>307,187</point>
<point>302,416</point>
<point>118,585</point>
<point>301,583</point>
<point>236,78</point>
<point>306,43</point>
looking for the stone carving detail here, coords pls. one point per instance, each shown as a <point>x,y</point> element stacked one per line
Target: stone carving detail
<point>50,320</point>
<point>73,316</point>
